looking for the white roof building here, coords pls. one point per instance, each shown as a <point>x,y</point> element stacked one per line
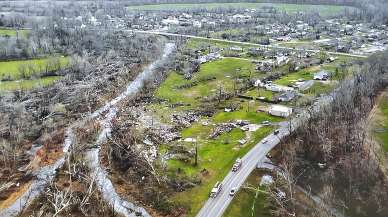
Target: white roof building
<point>280,111</point>
<point>170,21</point>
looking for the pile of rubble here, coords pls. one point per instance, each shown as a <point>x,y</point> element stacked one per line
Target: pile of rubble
<point>164,134</point>
<point>186,119</point>
<point>227,127</point>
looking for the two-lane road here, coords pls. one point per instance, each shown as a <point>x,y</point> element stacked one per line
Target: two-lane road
<point>215,207</point>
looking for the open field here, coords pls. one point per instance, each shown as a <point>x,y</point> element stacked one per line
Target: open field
<point>306,74</point>
<point>259,92</point>
<point>246,112</point>
<point>27,84</point>
<point>381,122</point>
<point>325,10</point>
<point>12,32</point>
<point>244,200</point>
<point>320,88</point>
<point>221,74</point>
<point>18,69</point>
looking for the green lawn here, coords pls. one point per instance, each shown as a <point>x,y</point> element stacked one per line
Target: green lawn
<point>13,70</point>
<point>244,200</point>
<point>324,10</point>
<point>12,32</point>
<point>225,72</point>
<point>245,114</point>
<point>319,88</point>
<point>27,84</point>
<point>260,92</point>
<point>306,74</point>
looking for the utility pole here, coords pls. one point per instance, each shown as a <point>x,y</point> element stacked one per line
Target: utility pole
<point>219,94</point>
<point>196,153</point>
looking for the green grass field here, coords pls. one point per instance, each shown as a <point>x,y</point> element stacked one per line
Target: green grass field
<point>27,84</point>
<point>12,70</point>
<point>319,88</point>
<point>12,32</point>
<point>244,200</point>
<point>225,72</point>
<point>381,122</point>
<point>324,10</point>
<point>245,113</point>
<point>259,92</point>
<point>306,74</point>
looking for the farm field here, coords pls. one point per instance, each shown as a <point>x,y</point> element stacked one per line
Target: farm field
<point>325,10</point>
<point>18,69</point>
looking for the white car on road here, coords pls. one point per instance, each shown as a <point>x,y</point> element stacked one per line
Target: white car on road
<point>233,191</point>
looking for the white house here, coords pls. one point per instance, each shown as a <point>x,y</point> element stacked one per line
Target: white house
<point>170,21</point>
<point>280,111</point>
<point>197,24</point>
